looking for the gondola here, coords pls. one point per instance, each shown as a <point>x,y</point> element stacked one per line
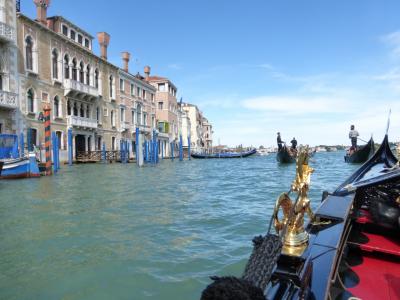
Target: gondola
<point>285,156</point>
<point>362,154</point>
<point>1,166</point>
<point>224,154</point>
<point>352,250</point>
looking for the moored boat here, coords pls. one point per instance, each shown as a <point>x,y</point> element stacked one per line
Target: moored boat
<point>285,156</point>
<point>350,249</point>
<point>1,166</point>
<point>14,165</point>
<point>224,154</point>
<point>362,154</point>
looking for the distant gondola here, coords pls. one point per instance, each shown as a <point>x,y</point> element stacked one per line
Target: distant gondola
<point>284,156</point>
<point>362,154</point>
<point>224,154</point>
<point>353,246</point>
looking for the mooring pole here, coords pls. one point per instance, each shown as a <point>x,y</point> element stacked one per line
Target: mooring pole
<point>172,151</point>
<point>53,143</point>
<point>137,145</point>
<point>189,148</point>
<point>70,146</point>
<point>103,153</point>
<point>47,138</point>
<point>180,148</point>
<point>22,144</point>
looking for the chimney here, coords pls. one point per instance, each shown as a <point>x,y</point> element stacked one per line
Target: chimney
<point>147,72</point>
<point>125,57</point>
<point>104,40</point>
<point>41,8</point>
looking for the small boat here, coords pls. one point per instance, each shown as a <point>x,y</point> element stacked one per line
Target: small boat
<point>285,156</point>
<point>14,166</point>
<point>350,248</point>
<point>224,154</point>
<point>362,154</point>
<point>23,167</point>
<point>1,166</point>
<point>262,152</point>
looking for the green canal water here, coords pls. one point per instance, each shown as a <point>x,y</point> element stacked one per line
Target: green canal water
<point>122,232</point>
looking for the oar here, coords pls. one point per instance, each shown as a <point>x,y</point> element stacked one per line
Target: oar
<point>362,140</point>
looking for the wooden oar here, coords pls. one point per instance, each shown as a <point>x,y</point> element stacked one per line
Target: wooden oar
<point>362,140</point>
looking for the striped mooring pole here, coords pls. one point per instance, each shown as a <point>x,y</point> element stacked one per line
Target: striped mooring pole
<point>47,138</point>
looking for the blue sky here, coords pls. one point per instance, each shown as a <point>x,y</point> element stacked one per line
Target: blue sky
<point>306,68</point>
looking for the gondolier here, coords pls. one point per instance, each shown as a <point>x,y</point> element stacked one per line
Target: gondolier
<point>279,141</point>
<point>353,134</point>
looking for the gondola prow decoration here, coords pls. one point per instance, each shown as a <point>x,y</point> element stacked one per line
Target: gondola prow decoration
<point>291,226</point>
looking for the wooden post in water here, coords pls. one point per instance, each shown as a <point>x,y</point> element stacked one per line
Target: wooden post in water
<point>189,148</point>
<point>70,146</point>
<point>22,144</point>
<point>180,148</point>
<point>47,139</point>
<point>172,151</point>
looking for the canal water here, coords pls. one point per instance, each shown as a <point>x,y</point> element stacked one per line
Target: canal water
<point>122,232</point>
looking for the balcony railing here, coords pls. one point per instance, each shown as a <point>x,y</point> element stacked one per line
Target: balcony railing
<point>9,100</point>
<point>76,87</point>
<point>124,126</point>
<point>75,121</point>
<point>6,32</point>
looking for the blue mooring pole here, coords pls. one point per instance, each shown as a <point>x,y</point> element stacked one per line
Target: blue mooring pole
<point>53,142</point>
<point>189,148</point>
<point>103,153</point>
<point>180,148</point>
<point>162,149</point>
<point>29,140</point>
<point>70,146</point>
<point>58,152</point>
<point>172,151</point>
<point>137,145</point>
<point>22,144</point>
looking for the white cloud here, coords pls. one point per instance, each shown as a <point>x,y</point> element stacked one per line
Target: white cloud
<point>175,66</point>
<point>294,105</point>
<point>393,40</point>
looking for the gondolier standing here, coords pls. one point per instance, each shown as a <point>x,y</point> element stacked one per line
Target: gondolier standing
<point>279,141</point>
<point>353,134</point>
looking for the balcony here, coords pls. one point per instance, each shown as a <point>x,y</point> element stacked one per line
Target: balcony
<point>163,135</point>
<point>80,90</point>
<point>6,32</point>
<point>8,100</point>
<point>124,126</point>
<point>75,121</point>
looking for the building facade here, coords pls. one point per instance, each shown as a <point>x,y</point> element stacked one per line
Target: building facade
<point>137,108</point>
<point>49,62</point>
<point>10,117</point>
<point>166,109</point>
<point>207,134</point>
<point>58,68</point>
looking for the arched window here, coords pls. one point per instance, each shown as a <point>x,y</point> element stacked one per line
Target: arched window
<point>54,62</point>
<point>139,114</point>
<point>88,70</point>
<point>74,70</point>
<point>75,109</point>
<point>112,118</point>
<point>81,73</point>
<point>96,78</point>
<point>87,111</point>
<point>69,108</point>
<point>1,82</point>
<point>82,111</point>
<point>56,106</point>
<point>97,114</point>
<point>31,100</point>
<point>111,86</point>
<point>66,66</point>
<point>29,53</point>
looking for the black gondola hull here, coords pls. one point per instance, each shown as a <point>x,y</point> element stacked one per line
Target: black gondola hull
<point>224,155</point>
<point>1,166</point>
<point>362,154</point>
<point>284,157</point>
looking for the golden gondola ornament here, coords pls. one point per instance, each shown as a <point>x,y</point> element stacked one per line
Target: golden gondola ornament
<point>291,225</point>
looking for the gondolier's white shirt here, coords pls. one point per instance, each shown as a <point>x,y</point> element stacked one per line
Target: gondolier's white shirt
<point>353,134</point>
